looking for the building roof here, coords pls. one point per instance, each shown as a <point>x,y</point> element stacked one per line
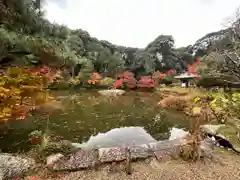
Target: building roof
<point>186,75</point>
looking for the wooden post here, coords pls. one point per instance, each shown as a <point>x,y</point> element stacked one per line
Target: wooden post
<point>128,161</point>
<point>72,71</point>
<point>187,83</point>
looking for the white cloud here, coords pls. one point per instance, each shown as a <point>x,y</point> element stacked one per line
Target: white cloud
<point>207,1</point>
<point>138,22</point>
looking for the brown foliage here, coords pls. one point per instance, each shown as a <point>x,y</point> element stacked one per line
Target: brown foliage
<point>176,103</point>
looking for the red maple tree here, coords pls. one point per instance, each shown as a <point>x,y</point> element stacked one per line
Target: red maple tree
<point>192,68</point>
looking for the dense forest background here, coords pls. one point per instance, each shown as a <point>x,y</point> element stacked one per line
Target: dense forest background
<point>27,38</point>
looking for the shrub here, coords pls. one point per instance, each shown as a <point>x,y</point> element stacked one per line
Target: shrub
<point>126,80</point>
<point>20,90</point>
<point>226,105</point>
<point>158,76</point>
<point>164,78</point>
<point>46,145</point>
<point>146,82</point>
<point>171,72</point>
<point>167,80</point>
<point>74,80</point>
<point>107,81</point>
<point>176,103</point>
<point>49,148</point>
<point>118,84</point>
<point>209,81</point>
<point>60,85</point>
<point>95,79</point>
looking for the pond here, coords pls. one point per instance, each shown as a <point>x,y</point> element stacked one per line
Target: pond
<point>86,113</point>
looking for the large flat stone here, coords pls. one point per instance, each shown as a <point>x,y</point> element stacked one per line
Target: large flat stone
<point>112,154</point>
<point>111,92</point>
<point>141,152</point>
<point>80,159</point>
<point>89,158</point>
<point>12,166</point>
<point>167,154</point>
<point>168,144</point>
<point>210,128</point>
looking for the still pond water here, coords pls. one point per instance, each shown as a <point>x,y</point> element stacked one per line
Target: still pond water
<point>85,114</point>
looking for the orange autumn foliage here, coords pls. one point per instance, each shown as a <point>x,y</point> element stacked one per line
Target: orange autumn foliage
<point>20,90</point>
<point>192,68</point>
<point>92,82</point>
<point>95,78</point>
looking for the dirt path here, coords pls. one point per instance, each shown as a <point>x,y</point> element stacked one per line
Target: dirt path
<point>228,169</point>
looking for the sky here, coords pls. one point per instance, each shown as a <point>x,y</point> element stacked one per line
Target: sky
<point>136,23</point>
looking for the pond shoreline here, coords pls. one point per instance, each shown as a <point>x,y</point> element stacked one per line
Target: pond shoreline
<point>151,169</point>
<point>149,112</point>
<point>87,113</point>
<point>83,159</point>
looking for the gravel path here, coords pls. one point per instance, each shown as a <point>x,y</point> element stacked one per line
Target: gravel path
<point>227,169</point>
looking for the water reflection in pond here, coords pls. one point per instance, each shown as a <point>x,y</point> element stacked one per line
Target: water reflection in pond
<point>85,114</point>
<point>125,136</point>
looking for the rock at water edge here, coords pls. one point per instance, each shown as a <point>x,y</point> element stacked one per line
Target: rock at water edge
<point>80,159</point>
<point>112,154</point>
<point>111,92</point>
<point>210,128</point>
<point>52,159</point>
<point>14,166</point>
